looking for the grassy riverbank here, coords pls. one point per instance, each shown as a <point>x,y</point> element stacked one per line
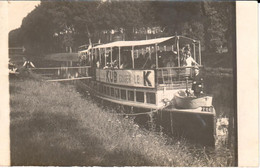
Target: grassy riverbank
<point>52,124</point>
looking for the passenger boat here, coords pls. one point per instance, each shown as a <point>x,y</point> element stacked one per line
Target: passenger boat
<point>149,74</point>
<point>137,73</point>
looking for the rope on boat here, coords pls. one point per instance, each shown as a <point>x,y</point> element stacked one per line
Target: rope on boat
<point>150,112</point>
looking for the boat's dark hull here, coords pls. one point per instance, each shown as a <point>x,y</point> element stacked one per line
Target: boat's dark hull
<point>195,127</point>
<point>194,124</point>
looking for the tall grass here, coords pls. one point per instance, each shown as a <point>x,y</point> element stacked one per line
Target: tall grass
<point>51,124</point>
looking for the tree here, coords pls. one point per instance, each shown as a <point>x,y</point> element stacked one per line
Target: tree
<point>55,25</point>
<point>36,31</point>
<point>15,38</point>
<point>219,23</point>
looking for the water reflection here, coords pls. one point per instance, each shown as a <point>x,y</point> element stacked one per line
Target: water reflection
<point>222,89</point>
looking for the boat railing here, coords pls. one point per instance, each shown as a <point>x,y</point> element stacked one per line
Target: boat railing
<point>83,47</point>
<point>64,72</point>
<point>173,75</point>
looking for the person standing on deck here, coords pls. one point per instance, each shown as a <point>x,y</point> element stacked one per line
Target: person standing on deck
<point>197,83</point>
<point>189,61</point>
<point>139,62</point>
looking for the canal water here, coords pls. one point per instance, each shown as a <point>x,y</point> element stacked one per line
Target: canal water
<point>224,100</point>
<point>222,89</point>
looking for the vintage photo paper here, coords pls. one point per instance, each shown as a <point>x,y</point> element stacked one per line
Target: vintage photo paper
<point>248,142</point>
<point>4,110</point>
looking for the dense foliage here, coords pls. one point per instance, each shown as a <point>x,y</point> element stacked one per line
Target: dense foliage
<point>60,26</point>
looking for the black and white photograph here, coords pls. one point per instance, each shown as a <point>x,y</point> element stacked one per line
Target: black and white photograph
<point>123,83</point>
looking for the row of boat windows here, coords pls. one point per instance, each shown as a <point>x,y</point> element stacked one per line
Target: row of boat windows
<point>130,95</point>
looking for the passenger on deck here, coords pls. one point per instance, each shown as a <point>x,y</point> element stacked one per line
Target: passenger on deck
<point>125,65</point>
<point>175,57</point>
<point>197,84</point>
<point>170,59</point>
<point>126,62</point>
<point>107,66</point>
<point>153,61</point>
<point>187,60</point>
<point>187,50</point>
<point>172,74</point>
<point>122,63</point>
<point>161,58</point>
<point>139,62</point>
<point>102,64</point>
<point>147,61</point>
<point>98,64</point>
<point>115,59</point>
<point>82,59</point>
<point>114,64</point>
<point>108,59</point>
<point>190,61</point>
<point>122,66</point>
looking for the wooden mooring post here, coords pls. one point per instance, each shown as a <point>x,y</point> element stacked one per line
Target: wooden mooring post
<point>171,123</point>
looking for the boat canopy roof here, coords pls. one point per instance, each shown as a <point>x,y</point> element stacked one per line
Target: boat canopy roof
<point>142,42</point>
<point>83,51</point>
<point>134,43</point>
<point>89,47</point>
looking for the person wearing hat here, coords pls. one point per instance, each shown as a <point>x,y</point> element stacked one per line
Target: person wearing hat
<point>187,59</point>
<point>197,83</point>
<point>187,49</point>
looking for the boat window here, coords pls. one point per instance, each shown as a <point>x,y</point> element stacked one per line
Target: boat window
<point>167,58</point>
<point>145,59</point>
<point>123,94</point>
<point>95,58</point>
<point>117,93</point>
<point>96,86</point>
<point>102,55</point>
<point>108,57</point>
<point>112,92</point>
<point>100,88</point>
<point>130,95</point>
<point>150,98</point>
<point>115,58</point>
<point>125,58</point>
<point>108,90</point>
<point>140,97</point>
<point>105,89</point>
<point>140,59</point>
